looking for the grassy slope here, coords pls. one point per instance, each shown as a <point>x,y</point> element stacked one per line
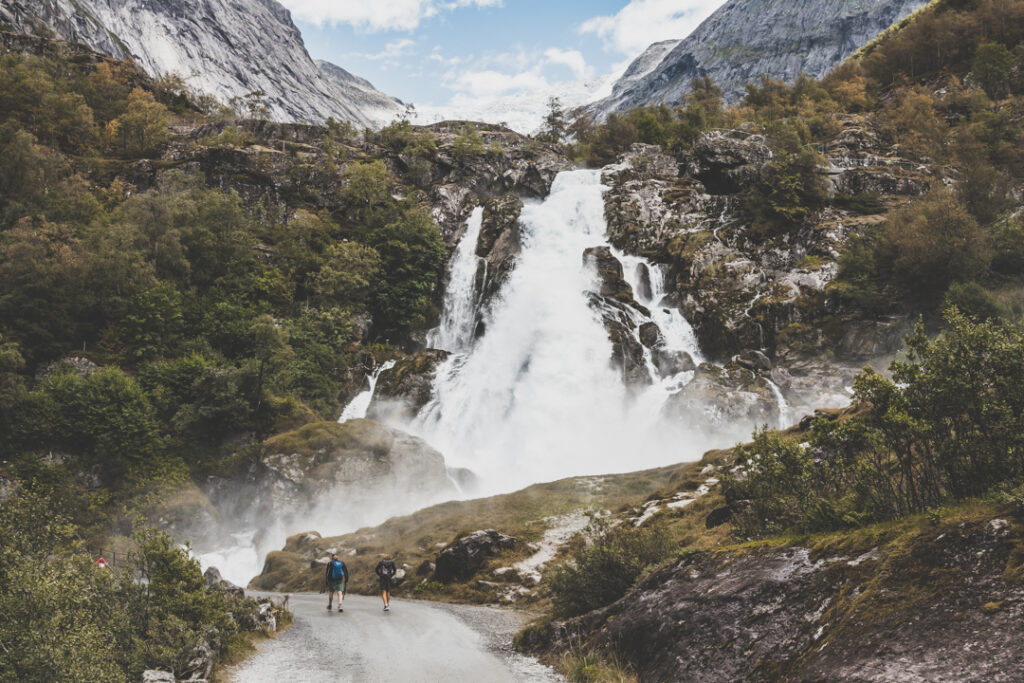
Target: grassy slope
<point>524,514</point>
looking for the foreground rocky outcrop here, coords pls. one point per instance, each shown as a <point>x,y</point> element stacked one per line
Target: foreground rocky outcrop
<point>463,558</point>
<point>933,603</point>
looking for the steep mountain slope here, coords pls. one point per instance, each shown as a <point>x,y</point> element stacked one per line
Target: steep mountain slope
<point>746,39</point>
<point>224,48</point>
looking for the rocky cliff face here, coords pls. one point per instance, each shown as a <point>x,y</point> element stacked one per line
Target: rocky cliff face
<point>225,48</point>
<point>935,604</point>
<point>743,292</point>
<point>746,39</point>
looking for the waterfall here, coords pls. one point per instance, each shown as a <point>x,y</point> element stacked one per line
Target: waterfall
<point>458,317</point>
<point>536,398</point>
<point>358,406</point>
<point>781,402</point>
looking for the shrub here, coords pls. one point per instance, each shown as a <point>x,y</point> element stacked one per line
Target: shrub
<point>607,563</point>
<point>973,300</point>
<point>931,243</point>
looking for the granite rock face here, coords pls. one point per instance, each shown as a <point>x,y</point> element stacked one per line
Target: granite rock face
<point>942,604</point>
<point>224,48</point>
<point>747,39</point>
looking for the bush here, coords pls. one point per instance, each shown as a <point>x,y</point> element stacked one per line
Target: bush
<point>973,300</point>
<point>946,427</point>
<point>607,563</point>
<point>68,620</point>
<point>931,243</point>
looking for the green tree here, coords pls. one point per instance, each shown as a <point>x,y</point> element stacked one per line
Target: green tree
<point>555,126</point>
<point>347,278</point>
<point>412,258</point>
<point>143,127</point>
<point>933,242</point>
<point>991,68</point>
<point>468,143</point>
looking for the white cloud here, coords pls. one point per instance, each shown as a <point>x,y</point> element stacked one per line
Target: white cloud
<point>392,50</point>
<point>377,15</point>
<point>573,59</point>
<point>484,84</point>
<point>642,22</point>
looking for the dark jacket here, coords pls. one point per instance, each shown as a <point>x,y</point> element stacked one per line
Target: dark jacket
<point>386,563</point>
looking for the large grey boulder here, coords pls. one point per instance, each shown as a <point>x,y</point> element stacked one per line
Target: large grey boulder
<point>938,605</point>
<point>466,556</point>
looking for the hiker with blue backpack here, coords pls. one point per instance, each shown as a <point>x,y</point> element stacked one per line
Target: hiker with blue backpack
<point>336,576</point>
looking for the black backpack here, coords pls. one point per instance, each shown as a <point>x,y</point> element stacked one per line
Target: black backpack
<point>387,569</point>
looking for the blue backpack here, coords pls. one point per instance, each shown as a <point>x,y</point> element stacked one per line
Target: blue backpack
<point>337,570</point>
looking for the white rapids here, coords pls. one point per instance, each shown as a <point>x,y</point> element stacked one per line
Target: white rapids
<point>535,398</point>
<point>358,406</point>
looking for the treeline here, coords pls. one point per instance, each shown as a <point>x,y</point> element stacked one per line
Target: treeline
<point>212,319</point>
<point>945,428</point>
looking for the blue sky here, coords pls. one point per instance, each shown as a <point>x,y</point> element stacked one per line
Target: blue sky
<point>490,59</point>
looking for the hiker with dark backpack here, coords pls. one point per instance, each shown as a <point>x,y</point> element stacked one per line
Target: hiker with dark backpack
<point>336,576</point>
<point>386,571</point>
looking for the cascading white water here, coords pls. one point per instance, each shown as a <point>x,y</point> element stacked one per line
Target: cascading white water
<point>358,406</point>
<point>535,398</point>
<point>459,314</point>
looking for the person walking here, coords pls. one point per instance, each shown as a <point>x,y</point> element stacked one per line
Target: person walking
<point>336,577</point>
<point>386,571</point>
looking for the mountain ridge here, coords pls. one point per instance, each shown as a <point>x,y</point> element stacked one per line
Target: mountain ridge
<point>225,49</point>
<point>746,39</point>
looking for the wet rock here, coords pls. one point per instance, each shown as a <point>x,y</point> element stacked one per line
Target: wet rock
<point>500,243</point>
<point>727,163</point>
<point>752,359</point>
<point>620,313</point>
<point>466,556</point>
<point>403,390</point>
<point>650,335</point>
<point>611,282</point>
<point>157,676</point>
<point>215,581</point>
<point>672,362</point>
<point>730,401</point>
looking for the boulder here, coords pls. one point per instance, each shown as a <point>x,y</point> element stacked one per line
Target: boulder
<point>215,581</point>
<point>724,401</point>
<point>671,363</point>
<point>157,676</point>
<point>650,335</point>
<point>752,359</point>
<point>727,163</point>
<point>403,390</point>
<point>466,556</point>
